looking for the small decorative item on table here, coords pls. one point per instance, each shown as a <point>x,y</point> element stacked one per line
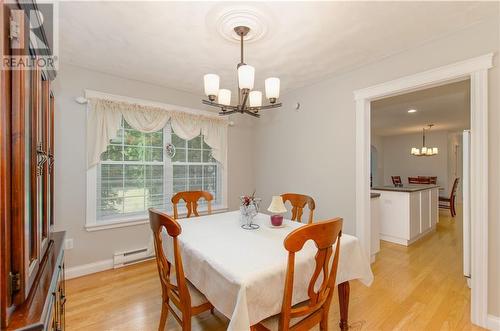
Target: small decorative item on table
<point>277,207</point>
<point>249,209</point>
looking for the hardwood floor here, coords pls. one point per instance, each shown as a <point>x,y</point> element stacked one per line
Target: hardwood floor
<point>420,287</point>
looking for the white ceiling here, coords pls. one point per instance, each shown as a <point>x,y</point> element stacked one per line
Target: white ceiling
<point>173,44</point>
<point>446,106</point>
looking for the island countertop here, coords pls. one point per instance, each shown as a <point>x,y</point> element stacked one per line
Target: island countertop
<point>405,188</point>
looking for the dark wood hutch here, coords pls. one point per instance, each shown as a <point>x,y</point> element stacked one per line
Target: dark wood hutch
<point>32,292</point>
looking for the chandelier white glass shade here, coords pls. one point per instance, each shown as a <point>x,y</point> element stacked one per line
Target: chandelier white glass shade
<point>211,84</point>
<point>272,88</point>
<point>246,75</point>
<point>255,98</point>
<point>249,102</point>
<point>224,97</point>
<point>424,151</point>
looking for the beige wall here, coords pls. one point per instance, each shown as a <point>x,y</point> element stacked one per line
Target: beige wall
<point>70,174</point>
<point>377,143</point>
<point>313,150</point>
<point>397,160</point>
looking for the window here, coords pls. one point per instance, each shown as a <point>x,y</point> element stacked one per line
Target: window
<point>135,173</point>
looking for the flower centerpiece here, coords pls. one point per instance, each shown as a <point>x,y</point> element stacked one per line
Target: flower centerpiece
<point>249,209</point>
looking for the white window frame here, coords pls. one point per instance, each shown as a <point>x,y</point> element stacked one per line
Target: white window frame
<point>91,222</point>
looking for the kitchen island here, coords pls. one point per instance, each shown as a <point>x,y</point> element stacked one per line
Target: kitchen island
<point>407,213</point>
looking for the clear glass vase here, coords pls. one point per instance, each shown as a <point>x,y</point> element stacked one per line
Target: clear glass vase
<point>248,213</point>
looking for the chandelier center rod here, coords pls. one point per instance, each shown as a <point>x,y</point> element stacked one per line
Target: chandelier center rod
<point>241,31</point>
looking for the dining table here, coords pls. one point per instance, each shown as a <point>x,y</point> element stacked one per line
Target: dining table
<point>242,272</point>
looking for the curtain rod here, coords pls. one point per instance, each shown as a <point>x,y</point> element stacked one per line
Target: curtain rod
<point>114,97</point>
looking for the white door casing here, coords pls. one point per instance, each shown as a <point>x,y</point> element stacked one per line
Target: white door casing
<point>475,69</point>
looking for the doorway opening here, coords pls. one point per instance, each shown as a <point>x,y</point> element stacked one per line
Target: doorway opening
<point>418,201</point>
<point>476,70</point>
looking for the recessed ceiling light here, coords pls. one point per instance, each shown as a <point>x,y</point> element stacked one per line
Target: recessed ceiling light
<point>411,111</point>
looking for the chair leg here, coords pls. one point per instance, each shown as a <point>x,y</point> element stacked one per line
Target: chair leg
<point>164,315</point>
<point>186,323</point>
<point>323,325</point>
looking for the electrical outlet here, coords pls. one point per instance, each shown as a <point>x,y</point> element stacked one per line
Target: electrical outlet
<point>68,244</point>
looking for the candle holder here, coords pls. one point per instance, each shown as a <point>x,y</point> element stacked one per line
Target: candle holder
<point>277,207</point>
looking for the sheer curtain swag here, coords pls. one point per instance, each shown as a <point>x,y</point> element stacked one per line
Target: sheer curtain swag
<point>104,117</point>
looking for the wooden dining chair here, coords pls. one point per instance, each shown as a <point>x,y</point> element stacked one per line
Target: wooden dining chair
<point>449,202</point>
<point>396,180</point>
<point>298,202</point>
<point>191,199</point>
<point>174,285</point>
<point>315,310</point>
<point>424,180</point>
<point>413,180</point>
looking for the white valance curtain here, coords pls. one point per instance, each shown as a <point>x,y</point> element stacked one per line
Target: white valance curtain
<point>104,119</point>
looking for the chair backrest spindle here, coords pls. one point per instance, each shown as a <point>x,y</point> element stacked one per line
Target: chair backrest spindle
<point>191,199</point>
<point>298,202</point>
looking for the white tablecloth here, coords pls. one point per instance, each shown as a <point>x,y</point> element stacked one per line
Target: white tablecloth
<point>242,272</point>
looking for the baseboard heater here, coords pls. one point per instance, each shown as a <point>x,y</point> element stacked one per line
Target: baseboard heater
<point>122,259</point>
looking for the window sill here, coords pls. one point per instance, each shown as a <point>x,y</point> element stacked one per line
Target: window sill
<point>138,220</point>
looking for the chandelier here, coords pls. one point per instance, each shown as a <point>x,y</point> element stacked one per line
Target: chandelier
<point>249,102</point>
<point>424,151</point>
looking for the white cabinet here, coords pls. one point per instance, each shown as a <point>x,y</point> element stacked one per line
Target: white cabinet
<point>425,210</point>
<point>375,227</point>
<point>407,214</point>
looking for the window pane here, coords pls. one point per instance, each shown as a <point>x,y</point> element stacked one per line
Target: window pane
<point>194,155</point>
<point>195,143</point>
<point>153,154</point>
<point>210,179</point>
<point>126,125</point>
<point>133,153</point>
<point>134,171</point>
<point>119,138</point>
<point>178,142</point>
<point>195,171</point>
<point>133,137</point>
<point>179,185</point>
<point>179,171</point>
<point>154,187</point>
<point>157,155</point>
<point>209,171</point>
<point>111,181</point>
<point>180,155</point>
<point>154,139</point>
<point>110,207</point>
<point>210,185</point>
<point>157,171</point>
<point>133,205</point>
<point>195,184</point>
<point>207,156</point>
<point>205,146</point>
<point>134,181</point>
<point>156,201</point>
<point>113,153</point>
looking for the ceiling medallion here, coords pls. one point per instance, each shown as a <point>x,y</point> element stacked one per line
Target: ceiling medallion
<point>249,102</point>
<point>224,20</point>
<point>424,151</point>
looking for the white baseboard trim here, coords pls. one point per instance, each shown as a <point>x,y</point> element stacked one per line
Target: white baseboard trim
<point>493,322</point>
<point>87,269</point>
